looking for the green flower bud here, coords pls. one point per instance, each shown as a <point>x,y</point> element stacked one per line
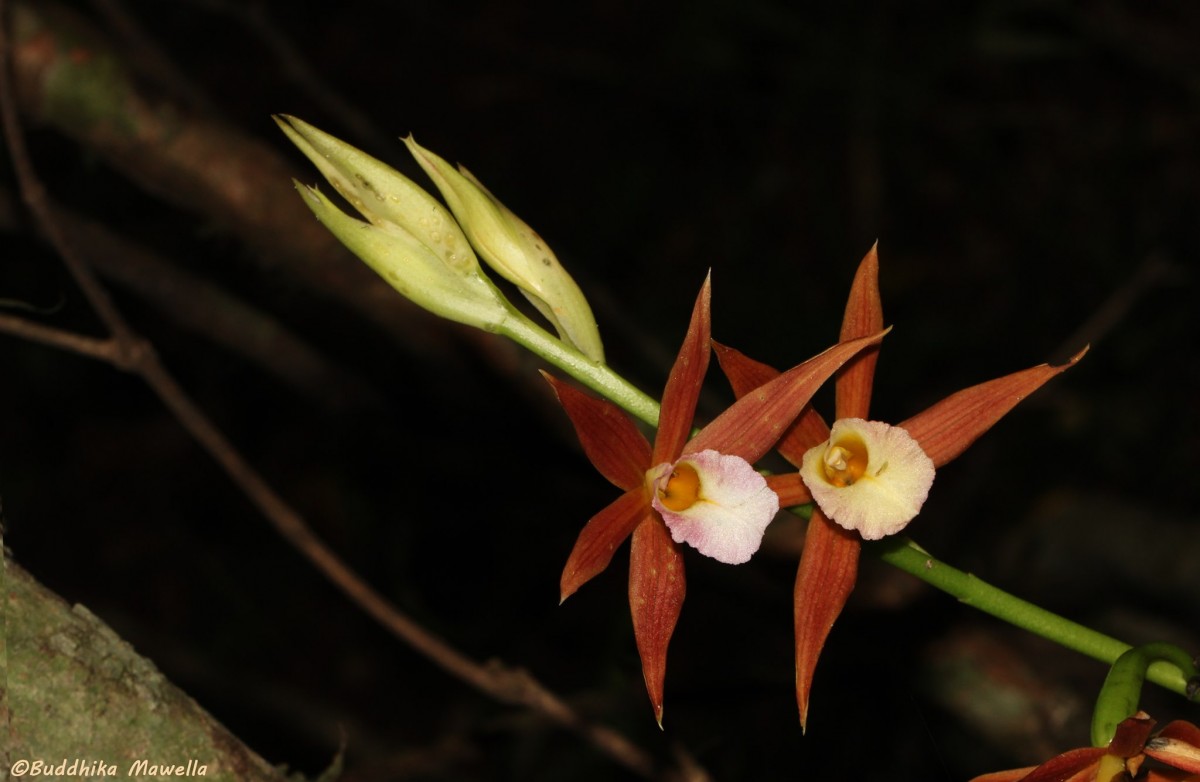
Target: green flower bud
<point>410,239</point>
<point>515,250</point>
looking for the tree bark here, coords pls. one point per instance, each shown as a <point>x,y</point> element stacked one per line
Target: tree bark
<point>72,691</point>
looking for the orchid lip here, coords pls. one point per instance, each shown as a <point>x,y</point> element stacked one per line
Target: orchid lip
<point>714,502</point>
<point>868,477</point>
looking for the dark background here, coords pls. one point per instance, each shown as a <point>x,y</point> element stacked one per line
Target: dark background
<point>1029,170</point>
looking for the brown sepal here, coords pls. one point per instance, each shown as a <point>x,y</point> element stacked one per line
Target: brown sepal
<point>824,581</point>
<point>756,422</point>
<point>745,374</point>
<point>790,488</point>
<point>863,316</point>
<point>611,441</point>
<point>600,537</point>
<point>656,591</point>
<point>683,385</point>
<point>949,427</point>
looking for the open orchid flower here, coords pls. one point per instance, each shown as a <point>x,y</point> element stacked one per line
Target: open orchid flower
<point>717,503</point>
<point>702,491</point>
<point>868,479</point>
<point>868,476</point>
<point>1177,746</point>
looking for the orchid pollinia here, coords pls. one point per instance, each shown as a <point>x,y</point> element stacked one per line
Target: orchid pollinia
<point>701,491</point>
<point>868,479</point>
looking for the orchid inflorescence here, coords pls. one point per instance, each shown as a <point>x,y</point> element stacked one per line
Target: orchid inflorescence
<point>862,479</point>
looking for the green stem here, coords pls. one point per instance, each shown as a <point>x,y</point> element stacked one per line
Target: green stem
<point>912,559</point>
<point>901,553</point>
<point>1122,688</point>
<point>596,376</point>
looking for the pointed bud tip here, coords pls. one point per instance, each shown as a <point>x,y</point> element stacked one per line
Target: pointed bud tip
<point>555,384</point>
<point>566,588</point>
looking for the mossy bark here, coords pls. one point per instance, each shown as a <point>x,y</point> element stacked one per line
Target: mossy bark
<point>72,690</point>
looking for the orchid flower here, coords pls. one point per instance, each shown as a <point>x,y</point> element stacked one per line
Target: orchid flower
<point>868,479</point>
<point>701,491</point>
<point>1123,760</point>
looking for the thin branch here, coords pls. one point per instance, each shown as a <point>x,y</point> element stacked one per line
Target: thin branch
<point>34,196</point>
<point>1153,271</point>
<point>206,309</point>
<point>137,355</point>
<point>92,347</point>
<point>294,66</point>
<point>152,61</point>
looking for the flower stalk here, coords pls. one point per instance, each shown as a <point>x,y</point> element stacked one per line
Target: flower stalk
<point>977,593</point>
<point>599,377</point>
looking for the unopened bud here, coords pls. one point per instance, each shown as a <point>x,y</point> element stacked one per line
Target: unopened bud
<point>515,251</point>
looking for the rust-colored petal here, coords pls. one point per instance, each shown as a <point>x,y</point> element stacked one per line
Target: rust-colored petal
<point>1069,767</point>
<point>611,441</point>
<point>754,423</point>
<point>656,590</point>
<point>1130,735</point>
<point>683,386</point>
<point>810,428</point>
<point>1169,775</point>
<point>1184,731</point>
<point>949,427</point>
<point>790,488</point>
<point>1012,775</point>
<point>745,374</point>
<point>1073,766</point>
<point>1177,751</point>
<point>600,537</point>
<point>828,569</point>
<point>863,316</point>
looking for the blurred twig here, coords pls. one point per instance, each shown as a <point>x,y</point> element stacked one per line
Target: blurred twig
<point>1153,271</point>
<point>204,308</point>
<point>254,18</point>
<point>152,61</point>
